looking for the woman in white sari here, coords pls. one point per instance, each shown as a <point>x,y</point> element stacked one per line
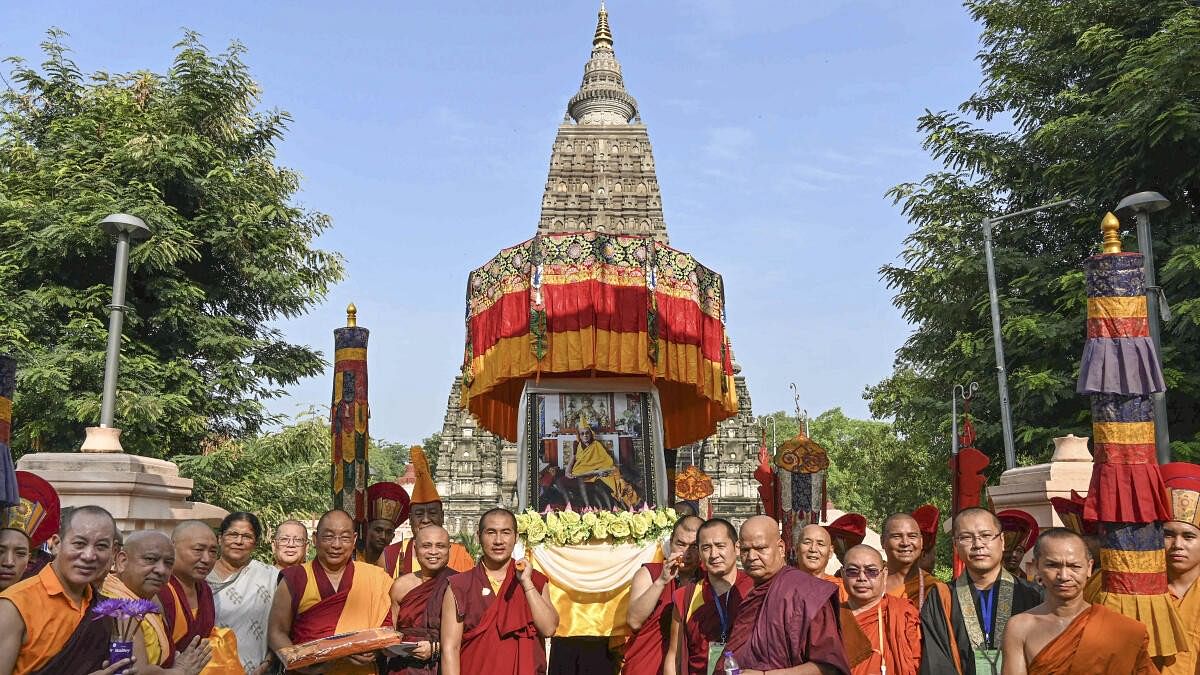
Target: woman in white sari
<point>243,589</point>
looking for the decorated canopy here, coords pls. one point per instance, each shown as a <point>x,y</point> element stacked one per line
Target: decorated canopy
<point>591,304</point>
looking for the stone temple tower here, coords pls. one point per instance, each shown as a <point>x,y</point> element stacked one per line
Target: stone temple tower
<point>601,178</point>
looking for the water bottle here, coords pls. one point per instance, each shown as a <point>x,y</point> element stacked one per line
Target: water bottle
<point>731,666</point>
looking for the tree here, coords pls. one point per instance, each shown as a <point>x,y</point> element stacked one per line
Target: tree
<point>1089,100</point>
<point>191,153</point>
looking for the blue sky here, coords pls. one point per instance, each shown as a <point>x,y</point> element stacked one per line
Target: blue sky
<point>424,130</point>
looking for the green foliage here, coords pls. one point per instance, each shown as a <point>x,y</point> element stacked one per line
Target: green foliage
<point>1103,102</point>
<point>432,446</point>
<point>470,542</point>
<point>191,153</point>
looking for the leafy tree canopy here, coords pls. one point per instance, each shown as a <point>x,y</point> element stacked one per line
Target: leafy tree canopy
<point>1089,100</point>
<point>192,154</point>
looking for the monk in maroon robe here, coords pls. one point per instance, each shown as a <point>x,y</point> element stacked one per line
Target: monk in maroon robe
<point>417,603</point>
<point>702,613</point>
<point>788,619</point>
<point>496,616</point>
<point>650,599</point>
<point>186,599</point>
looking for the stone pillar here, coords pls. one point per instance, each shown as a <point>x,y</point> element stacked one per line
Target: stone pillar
<point>1029,488</point>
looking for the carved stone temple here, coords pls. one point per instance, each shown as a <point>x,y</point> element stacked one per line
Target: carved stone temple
<point>601,178</point>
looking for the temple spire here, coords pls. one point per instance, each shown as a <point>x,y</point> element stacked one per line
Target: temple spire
<point>603,33</point>
<point>602,98</point>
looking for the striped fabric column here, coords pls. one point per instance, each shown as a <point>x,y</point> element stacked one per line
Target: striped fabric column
<point>8,478</point>
<point>349,415</point>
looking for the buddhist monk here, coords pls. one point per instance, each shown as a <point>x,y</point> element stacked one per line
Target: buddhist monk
<point>44,627</point>
<point>702,613</point>
<point>289,546</point>
<point>417,602</point>
<point>496,616</point>
<point>26,526</point>
<point>331,595</point>
<point>14,556</point>
<point>1065,634</point>
<point>788,621</point>
<point>1182,542</point>
<point>888,626</point>
<point>813,556</point>
<point>187,600</point>
<point>426,509</point>
<point>143,566</point>
<point>904,545</point>
<point>653,586</point>
<point>1070,511</point>
<point>387,507</point>
<point>1020,533</point>
<point>967,638</point>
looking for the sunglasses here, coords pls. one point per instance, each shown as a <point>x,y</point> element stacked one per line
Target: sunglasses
<point>856,572</point>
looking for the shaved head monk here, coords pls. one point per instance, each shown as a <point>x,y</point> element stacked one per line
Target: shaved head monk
<point>904,544</point>
<point>331,595</point>
<point>1065,634</point>
<point>650,599</point>
<point>44,627</point>
<point>425,509</point>
<point>187,600</point>
<point>813,555</point>
<point>879,629</point>
<point>417,602</point>
<point>496,617</point>
<point>143,566</point>
<point>702,613</point>
<point>788,622</point>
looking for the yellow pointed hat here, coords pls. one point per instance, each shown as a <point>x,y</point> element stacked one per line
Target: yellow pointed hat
<point>423,490</point>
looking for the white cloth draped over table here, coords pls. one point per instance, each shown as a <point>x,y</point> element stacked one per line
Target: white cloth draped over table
<point>243,603</point>
<point>589,584</point>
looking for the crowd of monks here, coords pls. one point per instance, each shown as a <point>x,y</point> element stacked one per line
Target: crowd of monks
<point>722,600</point>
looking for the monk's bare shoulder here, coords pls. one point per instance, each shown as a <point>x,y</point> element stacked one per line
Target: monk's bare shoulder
<point>401,586</point>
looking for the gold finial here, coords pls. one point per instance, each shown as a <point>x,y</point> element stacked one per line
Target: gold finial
<point>351,315</point>
<point>603,34</point>
<point>1111,227</point>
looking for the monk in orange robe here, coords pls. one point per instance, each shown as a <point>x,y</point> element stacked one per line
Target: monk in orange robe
<point>890,626</point>
<point>1182,541</point>
<point>425,509</point>
<point>1065,635</point>
<point>496,617</point>
<point>331,595</point>
<point>813,556</point>
<point>417,603</point>
<point>186,599</point>
<point>904,545</point>
<point>650,594</point>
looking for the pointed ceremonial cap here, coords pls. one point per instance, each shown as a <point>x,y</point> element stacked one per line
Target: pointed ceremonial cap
<point>847,531</point>
<point>1070,512</point>
<point>38,512</point>
<point>387,501</point>
<point>1183,486</point>
<point>424,491</point>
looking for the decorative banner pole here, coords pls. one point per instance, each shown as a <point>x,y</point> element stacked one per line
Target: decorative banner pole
<point>349,414</point>
<point>1120,371</point>
<point>8,477</point>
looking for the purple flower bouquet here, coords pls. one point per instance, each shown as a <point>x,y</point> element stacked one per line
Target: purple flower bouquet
<point>126,615</point>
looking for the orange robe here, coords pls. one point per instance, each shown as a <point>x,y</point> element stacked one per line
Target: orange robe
<point>50,617</point>
<point>843,596</point>
<point>1187,663</point>
<point>1098,641</point>
<point>154,631</point>
<point>901,637</point>
<point>912,590</point>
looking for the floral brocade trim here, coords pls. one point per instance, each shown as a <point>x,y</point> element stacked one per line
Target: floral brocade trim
<point>575,528</point>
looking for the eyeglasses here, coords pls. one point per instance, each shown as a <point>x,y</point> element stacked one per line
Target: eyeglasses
<point>856,572</point>
<point>237,536</point>
<point>291,541</point>
<point>970,539</point>
<point>330,538</point>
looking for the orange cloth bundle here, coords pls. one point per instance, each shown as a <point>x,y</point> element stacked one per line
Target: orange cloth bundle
<point>338,646</point>
<point>225,661</point>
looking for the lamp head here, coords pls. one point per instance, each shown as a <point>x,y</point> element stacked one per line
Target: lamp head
<point>1145,202</point>
<point>123,222</point>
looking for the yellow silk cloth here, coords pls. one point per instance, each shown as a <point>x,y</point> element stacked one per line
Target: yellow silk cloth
<point>225,659</point>
<point>589,584</point>
<point>595,457</point>
<point>696,393</point>
<point>367,605</point>
<point>154,631</point>
<point>1157,612</point>
<point>1187,663</point>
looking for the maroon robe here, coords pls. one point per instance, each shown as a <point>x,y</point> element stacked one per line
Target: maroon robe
<point>181,626</point>
<point>702,622</point>
<point>789,620</point>
<point>86,650</point>
<point>499,636</point>
<point>644,649</point>
<point>321,619</point>
<point>419,617</point>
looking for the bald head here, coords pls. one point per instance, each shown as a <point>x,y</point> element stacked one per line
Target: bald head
<point>863,555</point>
<point>336,519</point>
<point>195,550</point>
<point>190,529</point>
<point>864,576</point>
<point>687,524</point>
<point>432,533</point>
<point>139,540</point>
<point>901,521</point>
<point>145,562</point>
<point>814,549</point>
<point>761,548</point>
<point>431,546</point>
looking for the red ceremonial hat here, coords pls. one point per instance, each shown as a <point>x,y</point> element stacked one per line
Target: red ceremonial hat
<point>1183,484</point>
<point>37,514</point>
<point>1070,511</point>
<point>1019,528</point>
<point>847,531</point>
<point>387,501</point>
<point>927,517</point>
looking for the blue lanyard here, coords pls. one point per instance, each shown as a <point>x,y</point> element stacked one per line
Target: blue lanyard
<point>987,606</point>
<point>722,613</point>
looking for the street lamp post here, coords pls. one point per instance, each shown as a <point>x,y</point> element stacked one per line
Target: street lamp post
<point>1010,450</point>
<point>127,228</point>
<point>1142,204</point>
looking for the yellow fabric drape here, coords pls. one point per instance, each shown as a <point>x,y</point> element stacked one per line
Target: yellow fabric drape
<point>589,584</point>
<point>1187,663</point>
<point>595,457</point>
